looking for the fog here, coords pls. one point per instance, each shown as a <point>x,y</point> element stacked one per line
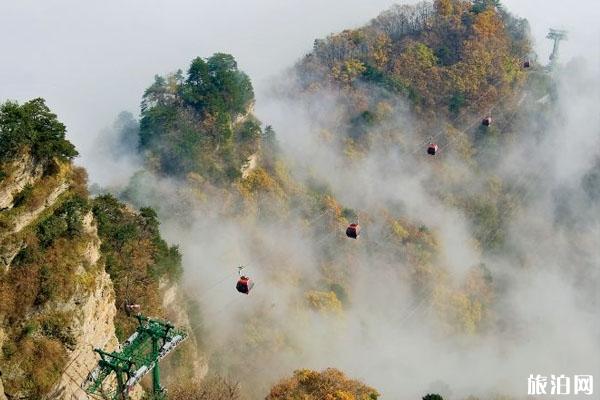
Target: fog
<point>93,61</point>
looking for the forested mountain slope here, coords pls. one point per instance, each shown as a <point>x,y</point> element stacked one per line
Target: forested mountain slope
<point>412,73</point>
<point>70,262</point>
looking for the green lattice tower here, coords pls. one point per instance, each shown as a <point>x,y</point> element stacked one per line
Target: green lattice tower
<point>556,35</point>
<point>118,371</point>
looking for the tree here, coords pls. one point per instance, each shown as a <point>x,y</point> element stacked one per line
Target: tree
<point>197,124</point>
<point>216,85</point>
<point>330,384</point>
<point>482,5</point>
<point>443,7</point>
<point>33,125</point>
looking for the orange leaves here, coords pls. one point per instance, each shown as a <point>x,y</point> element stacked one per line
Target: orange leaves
<point>347,71</point>
<point>443,7</point>
<point>324,302</point>
<point>379,49</point>
<point>330,384</point>
<point>259,181</point>
<point>488,24</point>
<point>463,309</point>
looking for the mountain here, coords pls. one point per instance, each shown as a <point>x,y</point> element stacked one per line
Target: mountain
<point>427,56</point>
<point>437,277</point>
<point>69,262</point>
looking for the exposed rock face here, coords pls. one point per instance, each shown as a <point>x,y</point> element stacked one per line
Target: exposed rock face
<point>172,303</point>
<point>22,172</point>
<point>249,165</point>
<point>243,116</point>
<point>93,327</point>
<point>2,395</point>
<point>89,305</point>
<point>24,219</point>
<point>8,252</point>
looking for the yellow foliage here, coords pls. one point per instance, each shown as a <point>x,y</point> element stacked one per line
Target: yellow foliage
<point>459,311</point>
<point>380,50</point>
<point>348,70</point>
<point>384,109</point>
<point>461,144</point>
<point>329,384</point>
<point>443,7</point>
<point>325,302</point>
<point>340,395</point>
<point>488,24</point>
<point>399,230</point>
<point>467,312</point>
<point>258,181</point>
<point>331,203</point>
<point>351,150</point>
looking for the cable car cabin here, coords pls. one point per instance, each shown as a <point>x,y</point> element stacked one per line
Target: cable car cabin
<point>432,149</point>
<point>353,231</point>
<point>244,285</point>
<point>487,121</point>
<point>132,308</point>
<point>526,64</point>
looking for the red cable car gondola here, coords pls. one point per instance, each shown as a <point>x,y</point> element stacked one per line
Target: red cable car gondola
<point>432,149</point>
<point>487,121</point>
<point>244,285</point>
<point>132,308</point>
<point>526,64</point>
<point>353,231</point>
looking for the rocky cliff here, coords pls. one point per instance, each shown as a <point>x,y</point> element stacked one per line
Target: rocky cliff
<point>93,323</point>
<point>19,173</point>
<point>69,263</point>
<point>78,315</point>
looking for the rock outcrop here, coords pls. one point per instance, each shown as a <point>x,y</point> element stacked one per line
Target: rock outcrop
<point>172,303</point>
<point>2,395</point>
<point>59,287</point>
<point>20,173</point>
<point>93,325</point>
<point>92,304</point>
<point>25,218</point>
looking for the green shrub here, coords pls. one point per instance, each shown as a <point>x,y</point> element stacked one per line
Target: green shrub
<point>50,229</point>
<point>187,122</point>
<point>56,326</point>
<point>136,257</point>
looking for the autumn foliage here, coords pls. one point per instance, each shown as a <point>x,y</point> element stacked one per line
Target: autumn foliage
<point>330,384</point>
<point>444,57</point>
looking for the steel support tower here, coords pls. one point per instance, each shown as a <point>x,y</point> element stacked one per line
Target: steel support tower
<point>118,371</point>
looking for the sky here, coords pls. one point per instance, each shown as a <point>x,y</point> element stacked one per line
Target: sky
<point>92,60</point>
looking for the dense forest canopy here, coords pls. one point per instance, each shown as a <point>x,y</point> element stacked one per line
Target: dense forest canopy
<point>447,58</point>
<point>329,384</point>
<point>135,256</point>
<point>32,125</point>
<point>200,122</point>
